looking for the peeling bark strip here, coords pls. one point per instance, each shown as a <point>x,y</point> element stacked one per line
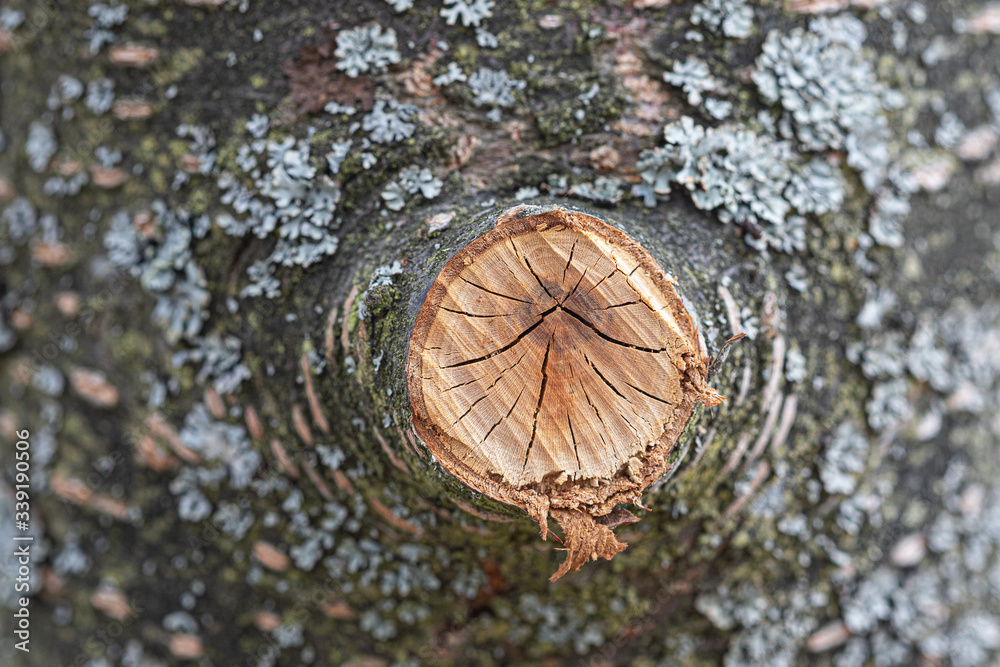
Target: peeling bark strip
<point>552,367</point>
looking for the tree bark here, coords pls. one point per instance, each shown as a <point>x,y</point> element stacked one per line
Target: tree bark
<point>278,507</point>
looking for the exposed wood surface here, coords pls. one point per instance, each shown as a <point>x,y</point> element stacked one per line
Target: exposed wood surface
<point>551,348</point>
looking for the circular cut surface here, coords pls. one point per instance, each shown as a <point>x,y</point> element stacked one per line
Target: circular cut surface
<point>551,347</point>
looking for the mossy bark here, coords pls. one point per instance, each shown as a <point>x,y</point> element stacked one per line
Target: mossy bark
<point>428,572</point>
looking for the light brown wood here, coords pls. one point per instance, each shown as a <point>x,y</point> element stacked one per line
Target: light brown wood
<point>552,353</point>
<point>553,364</point>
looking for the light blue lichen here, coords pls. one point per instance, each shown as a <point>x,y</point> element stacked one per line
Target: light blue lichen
<point>871,602</point>
<point>486,39</point>
<point>292,197</point>
<point>881,356</point>
<point>744,177</point>
<point>399,6</point>
<point>66,90</point>
<point>303,204</point>
<point>992,97</point>
<point>216,442</point>
<point>558,625</point>
<point>389,121</point>
<point>879,302</point>
<point>795,366</point>
<point>888,404</point>
<point>940,49</point>
<point>105,17</point>
<point>122,242</point>
<point>468,582</point>
<point>40,146</point>
<point>50,228</point>
<point>258,125</point>
<point>971,337</point>
<point>48,380</point>
<point>71,559</point>
<point>943,612</point>
<point>656,169</point>
<point>452,74</point>
<point>366,49</point>
<point>557,183</point>
<point>338,152</point>
<point>730,168</point>
<point>100,96</point>
<point>840,29</point>
<point>18,221</point>
<point>470,12</point>
<point>732,18</point>
<point>180,621</point>
<point>828,93</point>
<point>844,459</point>
<point>165,267</point>
<point>330,456</point>
<point>411,181</point>
<point>288,634</point>
<point>493,88</point>
<point>797,277</point>
<point>891,209</point>
<point>769,502</point>
<point>526,192</point>
<point>380,628</point>
<point>816,189</point>
<point>7,336</point>
<point>202,145</point>
<point>762,632</point>
<point>262,281</point>
<point>950,130</point>
<point>233,520</point>
<point>718,109</point>
<point>219,358</point>
<point>693,77</point>
<point>11,19</point>
<point>248,160</point>
<point>168,254</point>
<point>107,157</point>
<point>943,351</point>
<point>307,553</point>
<point>934,599</point>
<point>604,190</point>
<point>975,639</point>
<point>59,186</point>
<point>193,506</point>
<point>182,312</point>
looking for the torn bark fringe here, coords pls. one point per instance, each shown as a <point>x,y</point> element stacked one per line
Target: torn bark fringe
<point>587,538</point>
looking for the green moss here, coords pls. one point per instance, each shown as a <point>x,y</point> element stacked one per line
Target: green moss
<point>152,28</point>
<point>181,61</point>
<point>563,121</point>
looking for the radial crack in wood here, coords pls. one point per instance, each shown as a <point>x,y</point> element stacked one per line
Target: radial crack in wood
<point>553,365</point>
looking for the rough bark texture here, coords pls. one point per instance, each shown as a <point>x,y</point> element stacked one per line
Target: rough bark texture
<point>223,468</point>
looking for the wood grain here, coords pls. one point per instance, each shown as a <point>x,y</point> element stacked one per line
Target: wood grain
<point>552,348</point>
